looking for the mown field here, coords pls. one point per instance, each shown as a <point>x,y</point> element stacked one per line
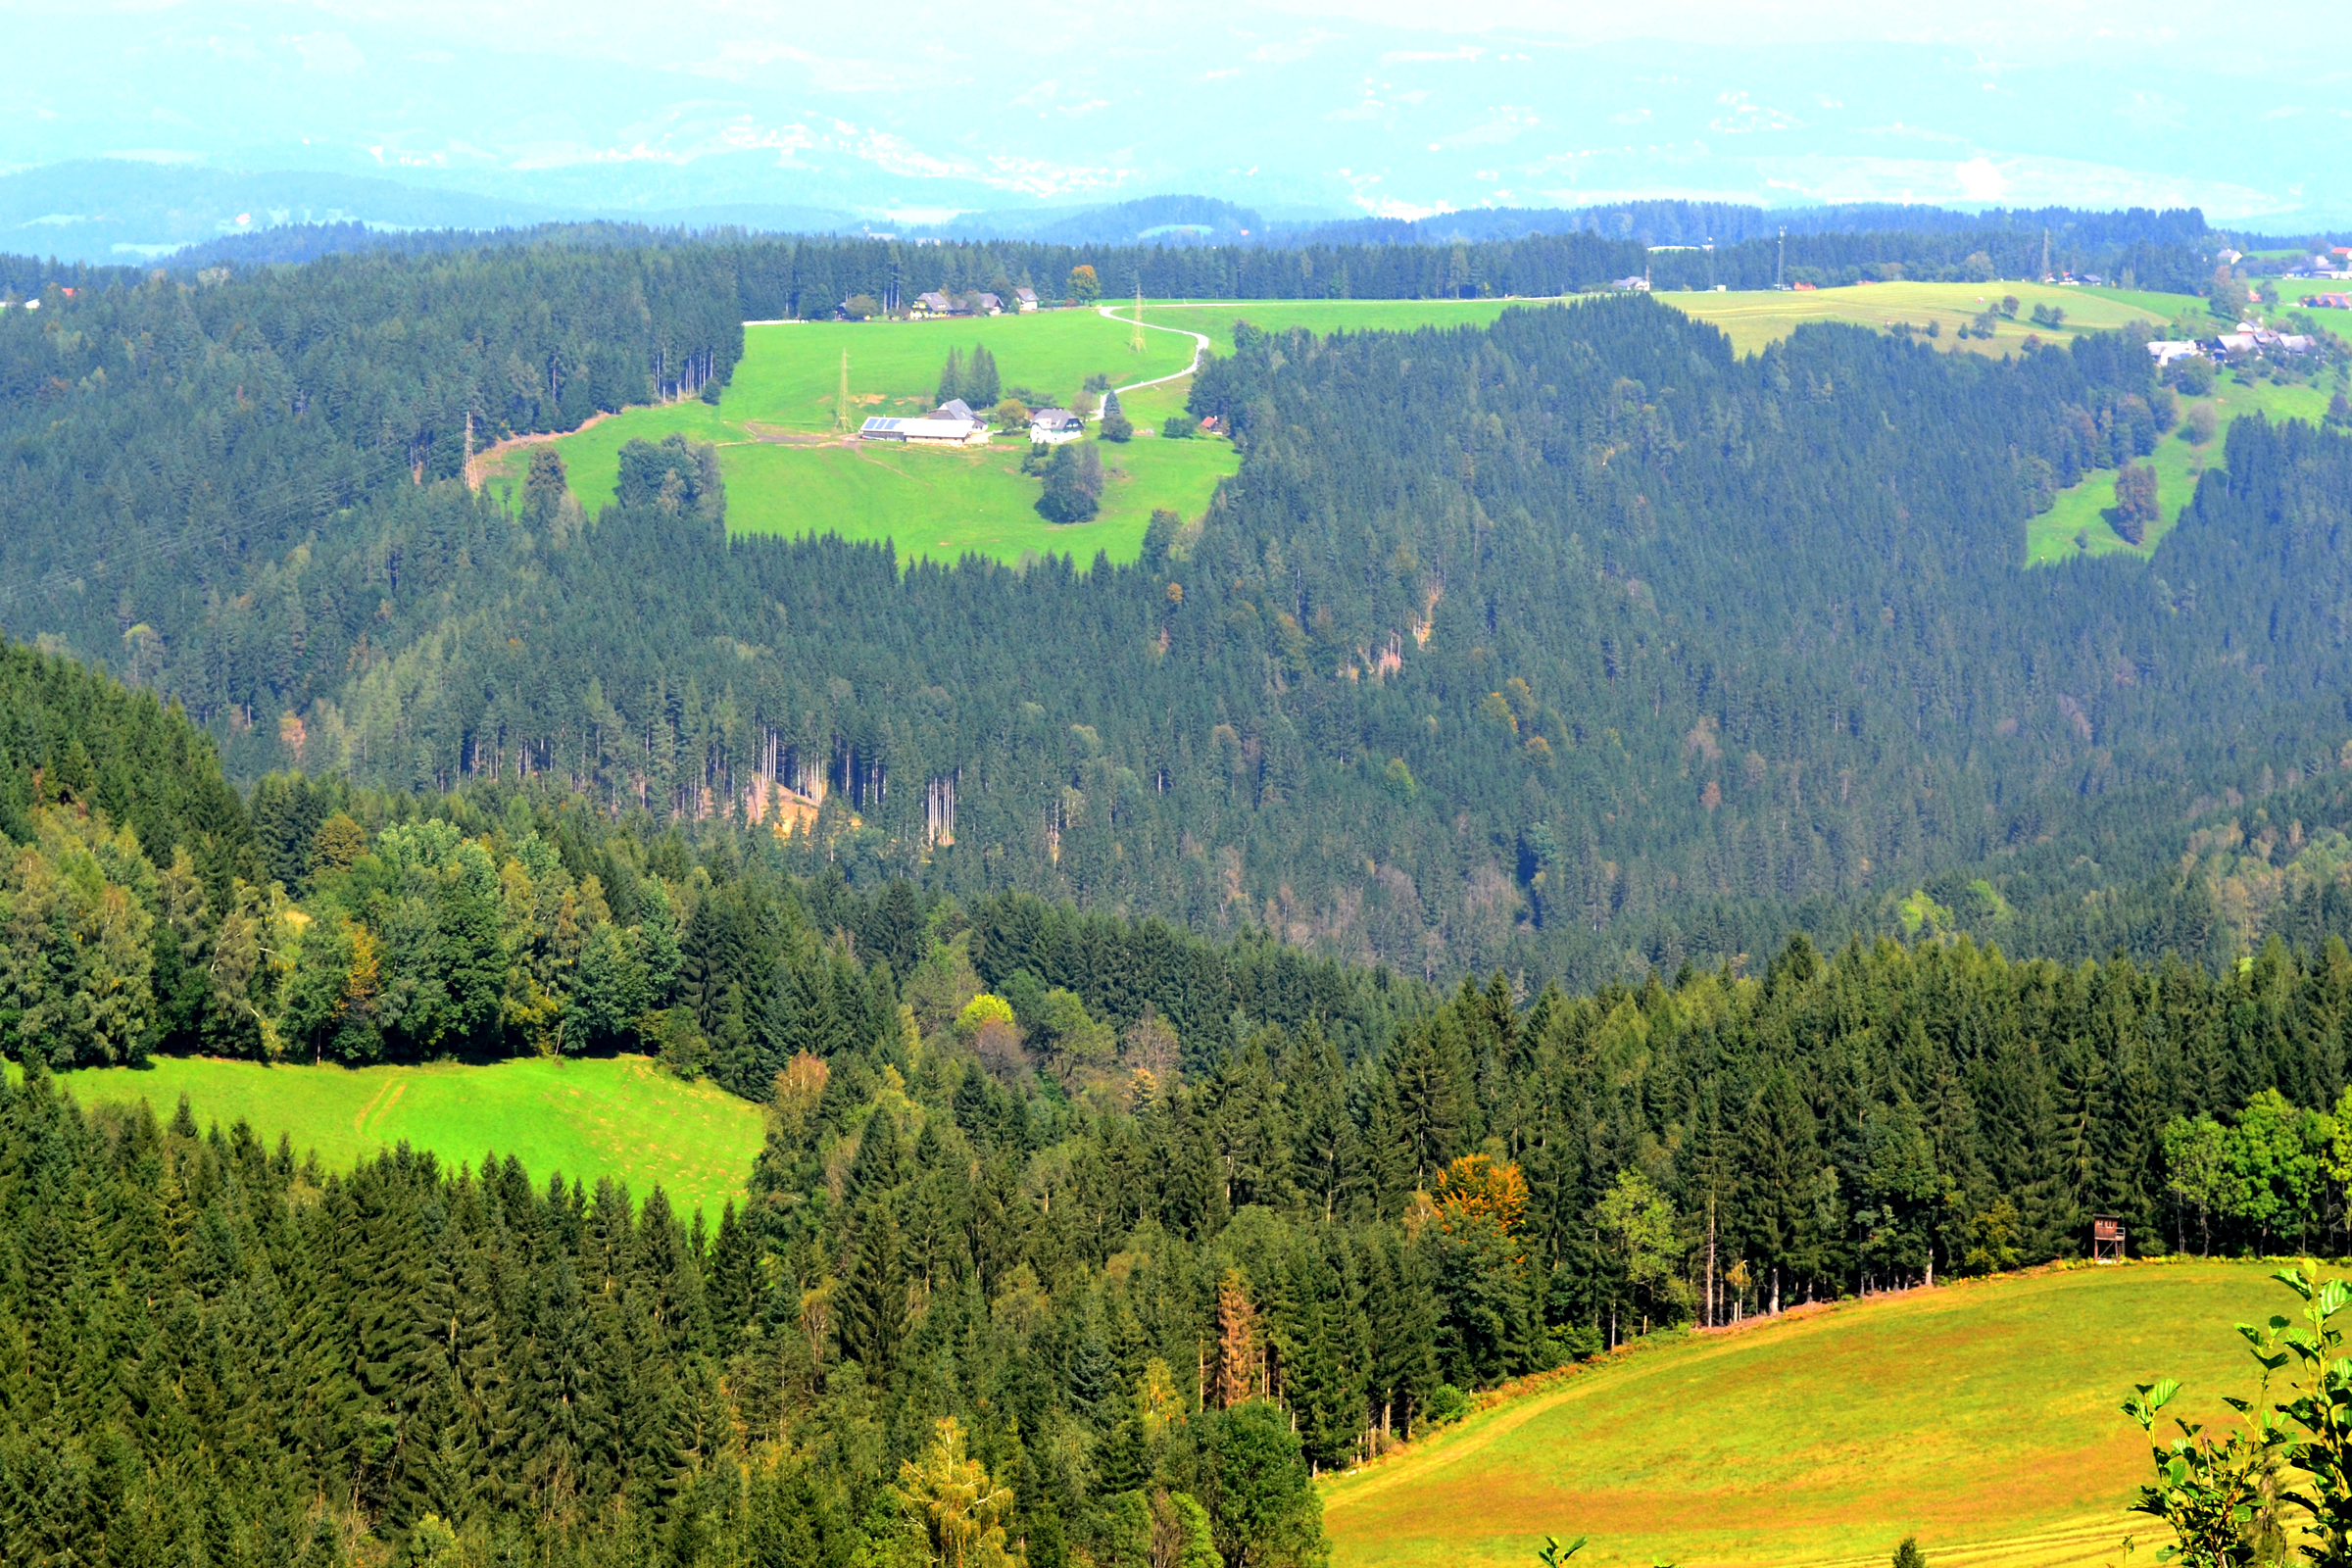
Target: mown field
<point>1753,320</point>
<point>1981,1418</point>
<point>621,1116</point>
<point>785,475</point>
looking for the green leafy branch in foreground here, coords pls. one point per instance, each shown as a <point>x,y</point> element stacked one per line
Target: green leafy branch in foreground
<point>1553,1554</point>
<point>2231,1500</point>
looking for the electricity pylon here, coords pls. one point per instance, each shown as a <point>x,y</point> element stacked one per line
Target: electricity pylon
<point>841,403</point>
<point>1138,335</point>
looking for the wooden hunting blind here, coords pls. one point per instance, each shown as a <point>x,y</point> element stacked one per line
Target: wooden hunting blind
<point>2106,1239</point>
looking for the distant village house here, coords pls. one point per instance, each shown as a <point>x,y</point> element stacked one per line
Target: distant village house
<point>1052,426</point>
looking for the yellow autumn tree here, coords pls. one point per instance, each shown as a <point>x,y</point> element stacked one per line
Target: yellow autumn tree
<point>1473,1189</point>
<point>950,1498</point>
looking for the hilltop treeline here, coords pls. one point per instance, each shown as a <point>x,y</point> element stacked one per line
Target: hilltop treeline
<point>810,277</point>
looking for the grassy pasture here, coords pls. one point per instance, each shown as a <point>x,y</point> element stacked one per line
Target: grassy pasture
<point>1215,317</point>
<point>618,1117</point>
<point>791,376</point>
<point>785,475</point>
<point>1981,1418</point>
<point>944,504</point>
<point>2077,525</point>
<point>1756,318</point>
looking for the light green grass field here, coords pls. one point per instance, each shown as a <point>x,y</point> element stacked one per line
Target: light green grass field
<point>620,1117</point>
<point>2076,525</point>
<point>1982,1417</point>
<point>941,504</point>
<point>1215,317</point>
<point>785,476</point>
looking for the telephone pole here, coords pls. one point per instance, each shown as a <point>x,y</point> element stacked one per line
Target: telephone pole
<point>1780,257</point>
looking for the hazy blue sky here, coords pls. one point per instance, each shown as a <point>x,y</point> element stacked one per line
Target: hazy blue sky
<point>1294,105</point>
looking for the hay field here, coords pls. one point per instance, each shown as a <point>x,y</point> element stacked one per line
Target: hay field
<point>1982,1417</point>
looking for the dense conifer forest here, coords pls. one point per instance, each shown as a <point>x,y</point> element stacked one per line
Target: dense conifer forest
<point>1126,1232</point>
<point>1575,646</point>
<point>1589,834</point>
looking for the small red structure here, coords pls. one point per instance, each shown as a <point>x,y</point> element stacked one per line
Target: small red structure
<point>2106,1239</point>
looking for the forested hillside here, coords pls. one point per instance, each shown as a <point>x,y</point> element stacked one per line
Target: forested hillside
<point>1573,646</point>
<point>1160,1224</point>
<point>1154,1280</point>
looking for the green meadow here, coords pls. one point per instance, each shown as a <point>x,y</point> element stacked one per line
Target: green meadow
<point>787,473</point>
<point>941,504</point>
<point>1214,319</point>
<point>2076,525</point>
<point>585,1119</point>
<point>1981,1418</point>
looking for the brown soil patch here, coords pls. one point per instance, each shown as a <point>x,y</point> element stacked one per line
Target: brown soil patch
<point>477,468</point>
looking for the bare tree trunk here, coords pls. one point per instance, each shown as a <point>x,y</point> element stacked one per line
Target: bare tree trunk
<point>1710,1260</point>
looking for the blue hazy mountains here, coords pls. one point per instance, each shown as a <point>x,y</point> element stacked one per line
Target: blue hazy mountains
<point>799,116</point>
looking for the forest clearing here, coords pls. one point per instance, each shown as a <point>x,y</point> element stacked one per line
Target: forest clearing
<point>588,1119</point>
<point>1982,1417</point>
<point>788,472</point>
<point>2077,523</point>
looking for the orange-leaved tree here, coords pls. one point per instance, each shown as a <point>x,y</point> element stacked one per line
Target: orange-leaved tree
<point>1475,1189</point>
<point>1240,1354</point>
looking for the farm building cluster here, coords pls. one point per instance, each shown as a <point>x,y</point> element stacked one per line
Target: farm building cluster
<point>2249,342</point>
<point>953,424</point>
<point>934,303</point>
<point>2333,263</point>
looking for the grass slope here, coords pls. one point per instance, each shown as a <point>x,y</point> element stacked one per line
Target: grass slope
<point>620,1116</point>
<point>944,504</point>
<point>2076,525</point>
<point>785,475</point>
<point>1982,1417</point>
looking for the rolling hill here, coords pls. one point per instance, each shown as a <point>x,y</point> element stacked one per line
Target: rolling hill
<point>1981,1418</point>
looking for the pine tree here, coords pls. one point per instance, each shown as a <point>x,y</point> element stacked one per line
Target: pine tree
<point>875,1300</point>
<point>981,387</point>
